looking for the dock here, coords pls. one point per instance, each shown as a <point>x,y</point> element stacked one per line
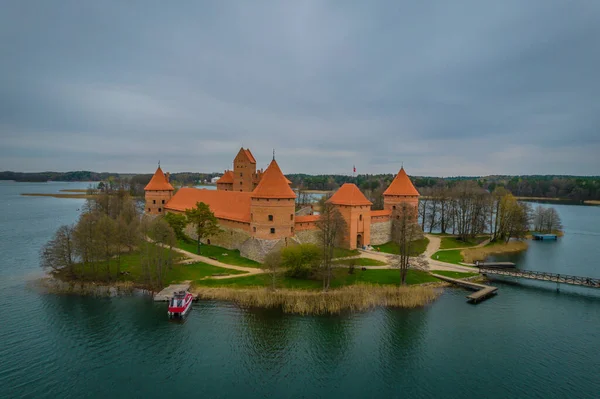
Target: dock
<point>167,293</point>
<point>590,282</point>
<point>482,292</point>
<point>542,237</point>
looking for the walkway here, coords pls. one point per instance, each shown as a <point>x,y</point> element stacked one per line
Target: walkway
<point>435,242</point>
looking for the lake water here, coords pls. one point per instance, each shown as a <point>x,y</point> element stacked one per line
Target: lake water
<point>529,341</point>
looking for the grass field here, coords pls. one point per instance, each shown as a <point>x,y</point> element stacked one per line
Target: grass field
<point>341,278</point>
<point>450,256</point>
<point>228,256</point>
<point>453,242</point>
<point>451,274</point>
<point>196,271</point>
<point>418,247</point>
<point>344,253</point>
<point>360,262</point>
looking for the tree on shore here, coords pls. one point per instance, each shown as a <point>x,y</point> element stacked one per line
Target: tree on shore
<point>546,220</point>
<point>157,255</point>
<point>271,265</point>
<point>204,221</point>
<point>59,253</point>
<point>404,231</point>
<point>332,229</point>
<point>177,221</point>
<point>300,260</point>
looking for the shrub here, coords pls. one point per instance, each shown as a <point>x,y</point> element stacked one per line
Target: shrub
<point>300,260</point>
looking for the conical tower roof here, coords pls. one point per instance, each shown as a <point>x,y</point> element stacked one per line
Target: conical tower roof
<point>401,185</point>
<point>349,194</point>
<point>273,184</point>
<point>159,182</point>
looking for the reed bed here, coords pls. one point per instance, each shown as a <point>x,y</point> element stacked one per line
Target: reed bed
<point>355,298</point>
<point>55,286</point>
<point>470,255</point>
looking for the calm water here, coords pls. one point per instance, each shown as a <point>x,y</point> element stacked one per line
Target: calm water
<point>529,341</point>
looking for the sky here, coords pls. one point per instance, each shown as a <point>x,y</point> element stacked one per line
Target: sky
<point>444,87</point>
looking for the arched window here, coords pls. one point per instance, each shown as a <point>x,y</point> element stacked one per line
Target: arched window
<point>292,229</point>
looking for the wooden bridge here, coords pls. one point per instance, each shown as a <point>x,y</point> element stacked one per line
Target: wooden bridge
<point>543,276</point>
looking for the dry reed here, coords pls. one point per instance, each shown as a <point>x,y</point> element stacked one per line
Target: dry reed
<point>55,286</point>
<point>470,255</point>
<point>353,298</point>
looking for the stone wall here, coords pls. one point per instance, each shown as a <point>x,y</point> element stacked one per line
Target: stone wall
<point>308,236</point>
<point>257,248</point>
<point>229,238</point>
<point>381,233</point>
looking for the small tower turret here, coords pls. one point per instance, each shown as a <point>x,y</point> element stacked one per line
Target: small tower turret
<point>400,191</point>
<point>273,206</point>
<point>158,192</point>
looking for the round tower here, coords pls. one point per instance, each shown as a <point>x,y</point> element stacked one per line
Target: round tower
<point>272,206</point>
<point>158,193</point>
<point>401,191</point>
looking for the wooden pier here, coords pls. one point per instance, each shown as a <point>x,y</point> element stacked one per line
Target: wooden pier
<point>167,292</point>
<point>543,276</point>
<point>482,292</point>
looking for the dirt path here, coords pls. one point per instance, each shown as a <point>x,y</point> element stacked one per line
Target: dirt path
<point>434,246</point>
<point>192,257</point>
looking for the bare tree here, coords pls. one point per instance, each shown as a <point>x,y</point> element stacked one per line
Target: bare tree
<point>271,265</point>
<point>404,231</point>
<point>59,253</point>
<point>332,228</point>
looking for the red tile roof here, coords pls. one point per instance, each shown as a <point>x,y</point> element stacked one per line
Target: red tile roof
<point>227,178</point>
<point>231,205</point>
<point>349,194</point>
<point>159,182</point>
<point>307,218</point>
<point>273,184</point>
<point>401,185</point>
<point>381,213</point>
<point>250,156</point>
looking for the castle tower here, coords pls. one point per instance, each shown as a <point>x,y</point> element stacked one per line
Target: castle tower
<point>356,211</point>
<point>400,191</point>
<point>244,171</point>
<point>158,192</point>
<point>272,206</point>
<point>225,183</point>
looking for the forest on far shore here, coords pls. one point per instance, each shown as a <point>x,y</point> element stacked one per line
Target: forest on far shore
<point>573,188</point>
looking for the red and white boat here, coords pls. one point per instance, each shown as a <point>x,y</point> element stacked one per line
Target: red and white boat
<point>180,304</point>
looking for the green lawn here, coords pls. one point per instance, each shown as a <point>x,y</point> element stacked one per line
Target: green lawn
<point>196,271</point>
<point>450,256</point>
<point>228,256</point>
<point>360,262</point>
<point>418,247</point>
<point>341,278</point>
<point>344,253</point>
<point>453,242</point>
<point>451,274</point>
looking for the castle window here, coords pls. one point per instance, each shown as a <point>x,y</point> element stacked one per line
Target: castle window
<point>240,183</point>
<point>154,201</point>
<point>270,218</point>
<point>359,217</point>
<point>272,230</point>
<point>394,207</point>
<point>241,175</point>
<point>292,229</point>
<point>252,217</point>
<point>160,209</point>
<point>254,229</point>
<point>163,201</point>
<point>148,209</point>
<point>292,216</point>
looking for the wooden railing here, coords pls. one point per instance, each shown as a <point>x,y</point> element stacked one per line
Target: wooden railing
<point>543,276</point>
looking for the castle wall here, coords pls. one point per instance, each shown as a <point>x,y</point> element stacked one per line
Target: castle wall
<point>282,212</point>
<point>156,201</point>
<point>308,236</point>
<point>358,221</point>
<point>257,249</point>
<point>225,186</point>
<point>381,232</point>
<point>229,237</point>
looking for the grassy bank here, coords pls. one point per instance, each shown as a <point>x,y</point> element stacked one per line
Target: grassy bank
<point>418,247</point>
<point>227,256</point>
<point>481,253</point>
<point>451,274</point>
<point>341,278</point>
<point>354,298</point>
<point>450,256</point>
<point>454,242</point>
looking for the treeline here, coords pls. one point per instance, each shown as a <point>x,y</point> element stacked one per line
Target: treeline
<point>467,210</point>
<point>109,230</point>
<point>573,188</point>
<point>81,175</point>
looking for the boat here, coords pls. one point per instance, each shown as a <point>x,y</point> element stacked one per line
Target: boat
<point>180,304</point>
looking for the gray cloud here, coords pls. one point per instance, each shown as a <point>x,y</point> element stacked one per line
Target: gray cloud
<point>448,88</point>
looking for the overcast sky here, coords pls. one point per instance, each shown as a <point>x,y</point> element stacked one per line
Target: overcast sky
<point>446,87</point>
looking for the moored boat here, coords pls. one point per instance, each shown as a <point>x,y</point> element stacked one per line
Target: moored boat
<point>180,304</point>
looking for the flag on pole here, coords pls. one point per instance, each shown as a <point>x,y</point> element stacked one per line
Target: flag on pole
<point>354,168</point>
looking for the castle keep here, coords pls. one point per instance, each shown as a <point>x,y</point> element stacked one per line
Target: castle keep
<point>256,209</point>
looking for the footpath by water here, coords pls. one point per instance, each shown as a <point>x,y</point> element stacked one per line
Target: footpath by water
<point>529,341</point>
